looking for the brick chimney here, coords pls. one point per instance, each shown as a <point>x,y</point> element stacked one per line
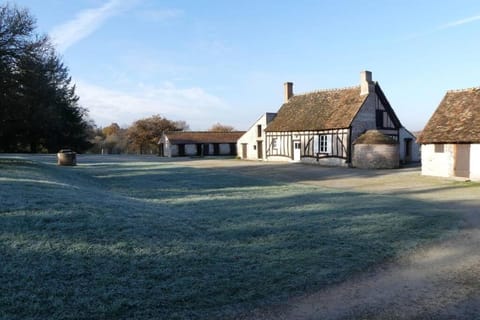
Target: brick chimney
<point>366,83</point>
<point>288,90</point>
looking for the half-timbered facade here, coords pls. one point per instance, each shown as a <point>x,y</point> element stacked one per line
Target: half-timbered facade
<point>321,126</point>
<point>451,139</point>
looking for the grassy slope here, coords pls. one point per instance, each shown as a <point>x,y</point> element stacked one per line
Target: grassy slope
<point>147,240</point>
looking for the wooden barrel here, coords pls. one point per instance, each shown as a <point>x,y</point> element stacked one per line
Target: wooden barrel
<point>66,158</point>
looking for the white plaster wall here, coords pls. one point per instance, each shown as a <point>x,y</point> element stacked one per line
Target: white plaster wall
<point>405,134</point>
<point>437,164</point>
<point>251,137</point>
<point>278,158</point>
<point>475,162</point>
<point>166,146</point>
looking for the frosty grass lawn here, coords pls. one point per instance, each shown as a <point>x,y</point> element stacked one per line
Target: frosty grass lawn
<point>157,240</point>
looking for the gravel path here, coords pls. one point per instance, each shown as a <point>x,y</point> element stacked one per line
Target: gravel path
<point>440,281</point>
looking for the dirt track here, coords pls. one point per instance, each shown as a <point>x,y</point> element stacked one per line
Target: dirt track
<point>441,281</point>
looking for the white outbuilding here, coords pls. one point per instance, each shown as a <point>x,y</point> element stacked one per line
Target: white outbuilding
<point>451,139</point>
<point>251,145</point>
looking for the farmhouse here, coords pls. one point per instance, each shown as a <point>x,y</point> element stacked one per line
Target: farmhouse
<point>251,145</point>
<point>321,126</point>
<point>451,139</point>
<point>198,143</point>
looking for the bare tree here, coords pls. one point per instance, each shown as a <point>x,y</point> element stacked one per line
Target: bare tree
<point>218,127</point>
<point>143,135</point>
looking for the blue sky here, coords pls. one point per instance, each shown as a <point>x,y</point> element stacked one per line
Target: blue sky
<point>226,61</point>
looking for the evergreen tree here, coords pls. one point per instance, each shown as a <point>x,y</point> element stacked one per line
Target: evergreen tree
<point>38,106</point>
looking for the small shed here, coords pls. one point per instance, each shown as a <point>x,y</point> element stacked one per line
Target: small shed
<point>375,150</point>
<point>451,139</point>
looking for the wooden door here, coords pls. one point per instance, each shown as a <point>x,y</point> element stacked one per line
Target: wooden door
<point>260,149</point>
<point>462,160</point>
<point>408,150</point>
<point>161,151</point>
<point>244,151</point>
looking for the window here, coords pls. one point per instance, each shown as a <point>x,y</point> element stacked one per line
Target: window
<point>323,144</point>
<point>274,143</point>
<point>439,148</point>
<point>379,118</point>
<point>259,130</point>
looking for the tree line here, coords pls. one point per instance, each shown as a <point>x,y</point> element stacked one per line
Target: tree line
<point>142,136</point>
<point>39,109</point>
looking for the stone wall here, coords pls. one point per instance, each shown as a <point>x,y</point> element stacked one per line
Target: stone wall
<point>376,156</point>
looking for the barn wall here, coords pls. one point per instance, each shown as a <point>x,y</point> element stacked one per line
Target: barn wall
<point>437,164</point>
<point>475,162</point>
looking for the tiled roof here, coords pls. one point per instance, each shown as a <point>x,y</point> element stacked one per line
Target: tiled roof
<point>374,137</point>
<point>190,137</point>
<point>456,120</point>
<point>319,110</point>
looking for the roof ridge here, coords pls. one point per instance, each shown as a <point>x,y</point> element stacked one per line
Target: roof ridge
<point>465,89</point>
<point>201,131</point>
<point>327,90</point>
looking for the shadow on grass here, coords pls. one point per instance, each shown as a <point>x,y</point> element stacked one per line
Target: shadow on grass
<point>162,241</point>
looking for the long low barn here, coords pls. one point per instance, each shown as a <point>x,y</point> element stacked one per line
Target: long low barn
<point>198,143</point>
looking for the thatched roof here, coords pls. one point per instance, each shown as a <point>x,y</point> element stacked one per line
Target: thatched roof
<point>456,120</point>
<point>374,137</point>
<point>192,137</point>
<point>320,110</point>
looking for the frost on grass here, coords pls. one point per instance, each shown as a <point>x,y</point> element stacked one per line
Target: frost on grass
<point>157,240</point>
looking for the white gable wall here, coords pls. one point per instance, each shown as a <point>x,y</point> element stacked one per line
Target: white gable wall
<point>475,162</point>
<point>251,138</point>
<point>438,164</point>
